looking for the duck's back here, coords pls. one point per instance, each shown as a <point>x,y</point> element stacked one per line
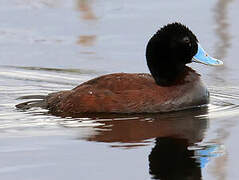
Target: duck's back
<point>129,93</point>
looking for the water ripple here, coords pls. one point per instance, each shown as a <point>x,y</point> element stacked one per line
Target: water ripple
<point>224,103</point>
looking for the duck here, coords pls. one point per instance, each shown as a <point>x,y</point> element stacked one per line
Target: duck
<point>170,86</point>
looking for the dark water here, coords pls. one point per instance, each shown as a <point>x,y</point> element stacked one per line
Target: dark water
<point>51,45</point>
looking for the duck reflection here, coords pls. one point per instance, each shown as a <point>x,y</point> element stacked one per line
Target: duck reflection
<point>173,133</point>
<point>140,128</point>
<point>171,159</point>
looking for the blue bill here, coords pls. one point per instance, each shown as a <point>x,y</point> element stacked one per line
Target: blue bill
<point>204,58</point>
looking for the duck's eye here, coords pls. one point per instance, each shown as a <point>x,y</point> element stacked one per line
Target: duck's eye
<point>186,39</point>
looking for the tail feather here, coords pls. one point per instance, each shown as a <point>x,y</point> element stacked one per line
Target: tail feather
<point>32,97</point>
<point>40,101</point>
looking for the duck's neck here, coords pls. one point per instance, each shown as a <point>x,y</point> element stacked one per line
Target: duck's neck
<point>168,76</point>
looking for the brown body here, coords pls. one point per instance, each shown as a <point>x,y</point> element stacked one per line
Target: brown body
<point>129,93</point>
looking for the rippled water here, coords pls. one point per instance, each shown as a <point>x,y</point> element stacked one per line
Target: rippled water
<point>47,46</point>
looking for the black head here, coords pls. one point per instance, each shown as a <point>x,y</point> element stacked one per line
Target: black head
<point>168,51</point>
